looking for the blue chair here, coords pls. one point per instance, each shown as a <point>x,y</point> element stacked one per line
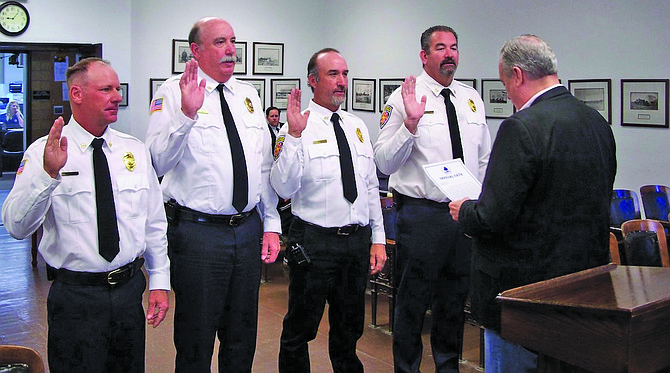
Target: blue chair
<point>624,206</point>
<point>655,201</point>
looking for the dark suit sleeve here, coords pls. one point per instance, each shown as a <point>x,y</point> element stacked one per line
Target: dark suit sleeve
<point>508,179</point>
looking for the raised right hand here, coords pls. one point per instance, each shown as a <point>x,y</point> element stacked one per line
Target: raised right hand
<point>192,93</point>
<point>55,150</point>
<point>296,121</point>
<point>413,109</point>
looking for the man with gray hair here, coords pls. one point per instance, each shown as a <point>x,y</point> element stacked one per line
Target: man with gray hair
<point>544,207</point>
<point>207,136</point>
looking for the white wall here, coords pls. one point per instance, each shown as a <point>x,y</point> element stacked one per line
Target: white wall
<point>380,39</point>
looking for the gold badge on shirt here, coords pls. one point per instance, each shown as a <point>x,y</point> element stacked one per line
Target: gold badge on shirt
<point>250,106</point>
<point>473,107</point>
<point>359,134</point>
<point>129,161</point>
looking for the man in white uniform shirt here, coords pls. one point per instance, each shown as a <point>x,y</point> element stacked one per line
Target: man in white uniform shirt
<point>431,118</point>
<point>207,136</point>
<point>325,165</point>
<point>94,308</point>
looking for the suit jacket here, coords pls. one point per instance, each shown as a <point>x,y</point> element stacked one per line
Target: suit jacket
<point>544,207</point>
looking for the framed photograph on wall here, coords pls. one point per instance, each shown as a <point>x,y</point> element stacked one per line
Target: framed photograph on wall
<point>496,103</point>
<point>471,82</point>
<point>386,87</point>
<point>268,58</point>
<point>241,59</point>
<point>279,90</point>
<point>124,94</point>
<point>363,97</point>
<point>644,103</point>
<point>154,84</point>
<point>259,84</point>
<point>596,93</point>
<point>344,105</point>
<point>181,53</point>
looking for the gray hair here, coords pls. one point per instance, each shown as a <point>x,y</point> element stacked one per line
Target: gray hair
<point>313,68</point>
<point>530,54</point>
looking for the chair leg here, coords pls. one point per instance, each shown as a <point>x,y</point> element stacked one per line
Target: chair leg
<point>391,313</point>
<point>373,296</point>
<point>482,353</point>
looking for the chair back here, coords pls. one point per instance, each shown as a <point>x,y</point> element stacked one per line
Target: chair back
<point>645,242</point>
<point>655,201</point>
<point>614,250</point>
<point>624,206</point>
<point>12,142</point>
<point>21,355</point>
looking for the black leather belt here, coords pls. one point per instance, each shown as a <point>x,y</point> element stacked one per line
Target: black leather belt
<point>340,231</point>
<point>115,277</point>
<point>176,212</point>
<point>400,199</point>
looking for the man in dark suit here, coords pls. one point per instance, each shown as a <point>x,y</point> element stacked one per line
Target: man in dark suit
<point>544,207</point>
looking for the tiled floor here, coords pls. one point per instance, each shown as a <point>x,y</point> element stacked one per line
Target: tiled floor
<point>23,292</point>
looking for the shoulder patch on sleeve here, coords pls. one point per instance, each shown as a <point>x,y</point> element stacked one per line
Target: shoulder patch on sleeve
<point>386,114</point>
<point>156,105</point>
<point>278,146</point>
<point>19,171</point>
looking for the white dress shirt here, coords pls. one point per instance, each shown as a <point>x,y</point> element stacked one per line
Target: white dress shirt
<point>194,154</point>
<point>67,210</point>
<point>401,154</point>
<point>307,171</point>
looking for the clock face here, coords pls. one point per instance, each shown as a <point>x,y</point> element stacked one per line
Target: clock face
<point>14,18</point>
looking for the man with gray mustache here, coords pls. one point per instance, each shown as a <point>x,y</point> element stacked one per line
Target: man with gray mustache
<point>208,139</point>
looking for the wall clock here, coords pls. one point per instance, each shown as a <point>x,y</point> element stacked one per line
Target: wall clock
<point>14,18</point>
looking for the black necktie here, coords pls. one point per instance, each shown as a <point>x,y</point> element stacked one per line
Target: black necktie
<point>454,132</point>
<point>240,176</point>
<point>346,166</point>
<point>108,230</point>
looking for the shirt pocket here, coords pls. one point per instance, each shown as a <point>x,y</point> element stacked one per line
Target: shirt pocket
<point>74,202</point>
<point>324,161</point>
<point>476,122</point>
<point>133,194</point>
<point>432,134</point>
<point>206,136</point>
<point>364,159</point>
<point>252,137</point>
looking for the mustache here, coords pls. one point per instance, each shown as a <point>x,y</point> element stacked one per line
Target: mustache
<point>226,59</point>
<point>447,61</point>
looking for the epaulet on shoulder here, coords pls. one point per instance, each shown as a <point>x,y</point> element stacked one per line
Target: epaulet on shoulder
<point>464,85</point>
<point>126,136</point>
<point>242,82</point>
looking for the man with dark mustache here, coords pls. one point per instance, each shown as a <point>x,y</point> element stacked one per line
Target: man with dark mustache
<point>433,254</point>
<point>207,136</point>
<point>337,214</point>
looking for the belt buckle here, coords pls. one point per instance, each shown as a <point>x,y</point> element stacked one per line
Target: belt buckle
<point>111,274</point>
<point>235,220</point>
<point>342,231</point>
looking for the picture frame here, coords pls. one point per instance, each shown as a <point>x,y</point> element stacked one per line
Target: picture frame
<point>496,103</point>
<point>596,93</point>
<point>386,87</point>
<point>363,97</point>
<point>268,58</point>
<point>241,58</point>
<point>469,81</point>
<point>181,53</point>
<point>259,84</point>
<point>344,105</point>
<point>124,95</point>
<point>644,102</point>
<point>154,84</point>
<point>279,90</point>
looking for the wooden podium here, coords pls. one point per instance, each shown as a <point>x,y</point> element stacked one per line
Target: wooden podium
<point>606,319</point>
